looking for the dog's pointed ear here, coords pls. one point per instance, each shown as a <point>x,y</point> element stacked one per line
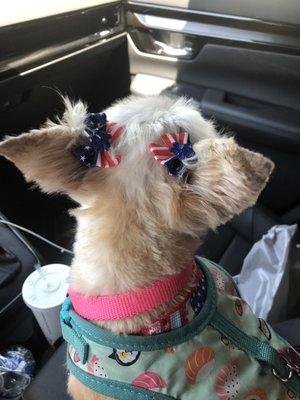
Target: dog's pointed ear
<point>227,180</point>
<point>44,156</point>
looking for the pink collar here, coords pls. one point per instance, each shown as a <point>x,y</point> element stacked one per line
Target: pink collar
<point>126,305</point>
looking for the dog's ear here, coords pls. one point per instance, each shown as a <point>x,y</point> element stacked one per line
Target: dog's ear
<point>227,180</point>
<point>44,156</point>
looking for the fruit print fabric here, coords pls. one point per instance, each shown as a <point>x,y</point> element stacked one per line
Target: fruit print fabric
<point>149,380</point>
<point>239,307</point>
<point>73,354</point>
<point>227,343</point>
<point>125,358</point>
<point>256,394</point>
<point>263,326</point>
<point>199,364</point>
<point>292,395</point>
<point>95,367</point>
<point>227,383</point>
<point>219,279</point>
<point>206,366</point>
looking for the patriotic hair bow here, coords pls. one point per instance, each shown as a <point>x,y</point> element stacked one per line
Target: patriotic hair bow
<point>177,149</point>
<point>101,134</point>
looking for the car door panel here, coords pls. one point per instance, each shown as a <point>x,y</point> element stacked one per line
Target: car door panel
<point>82,54</point>
<point>96,71</point>
<point>283,13</point>
<point>243,71</point>
<point>45,53</point>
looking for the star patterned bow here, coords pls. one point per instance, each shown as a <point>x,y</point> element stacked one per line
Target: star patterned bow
<point>177,149</point>
<point>101,134</point>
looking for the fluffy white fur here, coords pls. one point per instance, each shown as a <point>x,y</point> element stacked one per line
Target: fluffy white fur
<point>73,116</point>
<point>144,119</point>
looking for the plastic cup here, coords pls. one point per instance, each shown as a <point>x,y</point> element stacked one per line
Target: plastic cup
<point>43,292</point>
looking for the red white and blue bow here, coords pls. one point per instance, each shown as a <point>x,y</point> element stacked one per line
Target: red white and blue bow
<point>177,149</point>
<point>101,134</point>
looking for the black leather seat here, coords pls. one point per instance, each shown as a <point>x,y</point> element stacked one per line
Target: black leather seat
<point>228,246</point>
<point>51,381</point>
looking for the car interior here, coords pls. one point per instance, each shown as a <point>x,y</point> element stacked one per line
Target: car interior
<point>239,60</point>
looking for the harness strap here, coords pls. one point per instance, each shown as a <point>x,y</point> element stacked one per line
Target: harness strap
<point>114,389</point>
<point>71,335</point>
<point>259,350</point>
<point>79,333</point>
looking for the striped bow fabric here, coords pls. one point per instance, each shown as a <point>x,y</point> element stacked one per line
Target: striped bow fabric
<point>176,149</point>
<point>101,134</point>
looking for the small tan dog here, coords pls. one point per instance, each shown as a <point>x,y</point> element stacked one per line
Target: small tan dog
<point>137,223</point>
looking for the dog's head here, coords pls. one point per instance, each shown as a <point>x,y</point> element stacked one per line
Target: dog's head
<point>221,180</point>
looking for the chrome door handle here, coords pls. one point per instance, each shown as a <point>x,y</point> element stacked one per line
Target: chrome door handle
<point>164,49</point>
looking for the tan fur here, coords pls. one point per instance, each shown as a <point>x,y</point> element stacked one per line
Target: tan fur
<point>80,392</point>
<point>45,158</point>
<point>136,223</point>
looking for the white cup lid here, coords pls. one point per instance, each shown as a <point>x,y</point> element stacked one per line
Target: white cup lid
<point>46,287</point>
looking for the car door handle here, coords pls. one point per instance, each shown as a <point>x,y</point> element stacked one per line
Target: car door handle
<point>164,49</point>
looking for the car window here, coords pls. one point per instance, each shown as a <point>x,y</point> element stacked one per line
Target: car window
<point>287,12</point>
<point>15,11</point>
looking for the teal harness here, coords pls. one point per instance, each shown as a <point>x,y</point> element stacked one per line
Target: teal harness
<point>225,352</point>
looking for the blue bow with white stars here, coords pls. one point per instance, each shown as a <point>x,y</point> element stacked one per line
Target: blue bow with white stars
<point>96,152</point>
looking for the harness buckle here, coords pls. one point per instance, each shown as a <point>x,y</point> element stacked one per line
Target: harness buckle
<point>64,312</point>
<point>290,370</point>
